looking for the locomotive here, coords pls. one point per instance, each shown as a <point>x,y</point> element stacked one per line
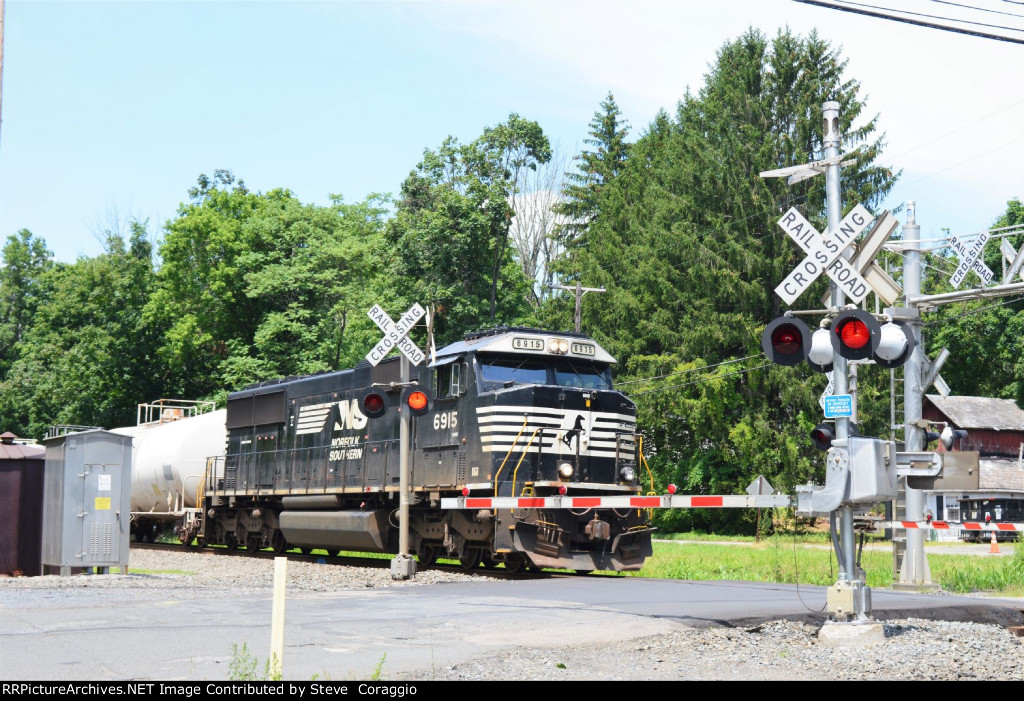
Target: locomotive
<point>313,461</point>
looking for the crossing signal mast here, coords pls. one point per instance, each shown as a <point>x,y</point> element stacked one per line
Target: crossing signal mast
<point>862,471</point>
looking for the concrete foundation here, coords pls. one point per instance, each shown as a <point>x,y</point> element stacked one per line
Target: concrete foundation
<point>851,634</point>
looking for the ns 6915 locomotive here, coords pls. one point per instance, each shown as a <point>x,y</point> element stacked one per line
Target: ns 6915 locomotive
<point>313,462</point>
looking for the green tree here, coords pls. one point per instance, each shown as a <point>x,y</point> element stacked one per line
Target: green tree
<point>261,285</point>
<point>597,166</point>
<point>685,241</point>
<point>452,222</point>
<point>25,260</point>
<point>87,357</point>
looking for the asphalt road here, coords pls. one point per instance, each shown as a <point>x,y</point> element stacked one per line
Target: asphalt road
<point>106,636</point>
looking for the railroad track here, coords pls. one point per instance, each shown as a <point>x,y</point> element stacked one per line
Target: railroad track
<point>358,561</point>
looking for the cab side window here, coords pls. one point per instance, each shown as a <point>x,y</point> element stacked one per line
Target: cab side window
<point>451,380</point>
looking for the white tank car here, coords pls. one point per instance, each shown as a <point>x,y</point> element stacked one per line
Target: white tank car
<point>170,448</point>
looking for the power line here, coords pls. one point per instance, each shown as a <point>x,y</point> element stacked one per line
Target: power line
<point>953,131</point>
<point>930,25</point>
<point>980,9</point>
<point>921,14</point>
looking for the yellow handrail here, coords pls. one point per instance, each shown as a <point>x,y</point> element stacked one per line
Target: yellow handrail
<point>510,449</point>
<point>521,457</point>
<point>643,461</point>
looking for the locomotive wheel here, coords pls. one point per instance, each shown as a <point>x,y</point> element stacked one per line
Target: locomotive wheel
<point>252,541</point>
<point>488,562</point>
<point>470,560</point>
<point>231,542</point>
<point>427,554</point>
<point>278,543</point>
<point>514,563</point>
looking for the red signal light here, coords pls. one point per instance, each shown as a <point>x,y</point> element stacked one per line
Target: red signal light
<point>822,436</point>
<point>786,341</point>
<point>855,334</point>
<point>373,405</point>
<point>373,402</point>
<point>417,400</point>
<point>465,491</point>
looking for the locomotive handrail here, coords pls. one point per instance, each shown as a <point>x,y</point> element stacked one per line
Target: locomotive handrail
<point>526,419</point>
<point>315,481</point>
<point>643,461</point>
<point>521,458</point>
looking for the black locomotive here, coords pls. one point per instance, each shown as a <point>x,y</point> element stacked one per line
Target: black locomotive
<point>513,412</point>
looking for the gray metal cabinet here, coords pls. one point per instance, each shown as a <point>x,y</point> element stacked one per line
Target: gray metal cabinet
<point>86,500</point>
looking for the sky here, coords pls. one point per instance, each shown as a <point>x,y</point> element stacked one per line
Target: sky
<point>111,110</point>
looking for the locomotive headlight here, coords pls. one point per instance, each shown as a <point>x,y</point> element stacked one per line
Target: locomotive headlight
<point>565,470</point>
<point>627,474</point>
<point>558,345</point>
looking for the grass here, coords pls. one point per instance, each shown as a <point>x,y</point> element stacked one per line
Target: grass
<point>776,560</point>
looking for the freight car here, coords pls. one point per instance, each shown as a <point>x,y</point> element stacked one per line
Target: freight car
<point>313,462</point>
<point>171,444</point>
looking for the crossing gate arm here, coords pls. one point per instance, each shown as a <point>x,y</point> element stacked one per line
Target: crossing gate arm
<point>674,501</point>
<point>946,526</point>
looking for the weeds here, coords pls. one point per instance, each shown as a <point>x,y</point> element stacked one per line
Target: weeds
<point>376,676</point>
<point>244,666</point>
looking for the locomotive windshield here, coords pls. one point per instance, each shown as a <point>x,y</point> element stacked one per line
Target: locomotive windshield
<point>564,372</point>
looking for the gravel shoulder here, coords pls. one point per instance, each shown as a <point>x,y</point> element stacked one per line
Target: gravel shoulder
<point>913,649</point>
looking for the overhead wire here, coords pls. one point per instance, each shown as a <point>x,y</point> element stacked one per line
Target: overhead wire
<point>906,20</point>
<point>979,9</point>
<point>701,381</point>
<point>924,14</point>
<point>953,131</point>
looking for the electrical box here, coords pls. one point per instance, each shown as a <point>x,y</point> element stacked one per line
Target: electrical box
<point>86,501</point>
<point>872,470</point>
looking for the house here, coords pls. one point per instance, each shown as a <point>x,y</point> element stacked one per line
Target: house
<point>995,428</point>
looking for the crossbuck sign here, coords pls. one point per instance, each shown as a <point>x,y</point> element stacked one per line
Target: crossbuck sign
<point>396,334</point>
<point>824,255</point>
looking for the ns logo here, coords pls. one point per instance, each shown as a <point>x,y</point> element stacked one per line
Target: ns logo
<point>349,416</point>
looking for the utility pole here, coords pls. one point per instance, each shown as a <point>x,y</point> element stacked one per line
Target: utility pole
<point>2,10</point>
<point>580,291</point>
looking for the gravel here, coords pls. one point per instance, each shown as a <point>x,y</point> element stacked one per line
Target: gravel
<point>913,649</point>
